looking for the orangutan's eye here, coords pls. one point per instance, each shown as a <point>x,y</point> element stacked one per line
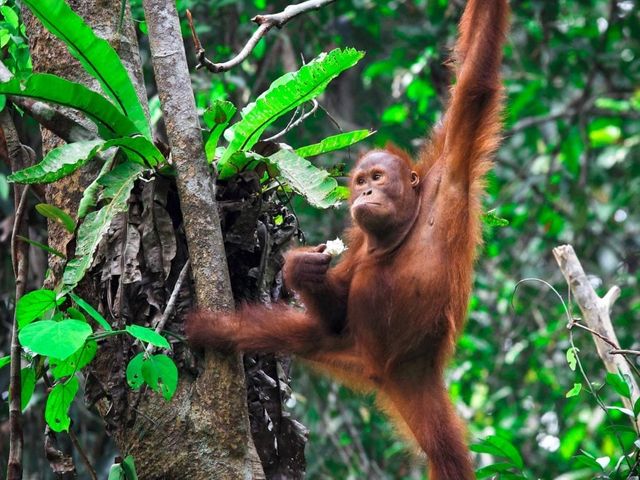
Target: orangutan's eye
<point>360,180</point>
<point>377,176</point>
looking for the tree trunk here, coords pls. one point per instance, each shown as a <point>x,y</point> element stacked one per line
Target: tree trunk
<point>203,433</point>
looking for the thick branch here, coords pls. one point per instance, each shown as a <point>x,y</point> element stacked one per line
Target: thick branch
<point>231,456</point>
<point>265,23</point>
<point>595,313</point>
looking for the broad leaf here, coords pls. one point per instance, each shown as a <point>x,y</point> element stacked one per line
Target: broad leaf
<point>35,304</point>
<point>147,335</point>
<point>91,311</point>
<point>129,467</point>
<point>285,94</point>
<point>572,360</point>
<point>55,339</point>
<point>335,142</point>
<point>98,58</point>
<point>217,118</point>
<point>134,371</point>
<point>57,215</point>
<point>619,384</point>
<point>56,412</point>
<point>161,374</point>
<point>90,195</point>
<point>137,149</point>
<point>117,187</point>
<point>500,447</point>
<point>58,163</point>
<point>27,386</point>
<point>314,184</point>
<point>49,88</point>
<point>239,162</point>
<point>77,361</point>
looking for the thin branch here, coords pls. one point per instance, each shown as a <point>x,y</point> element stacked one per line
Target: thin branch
<point>622,351</point>
<point>20,262</point>
<point>83,455</point>
<point>264,22</point>
<point>293,124</point>
<point>168,311</point>
<point>596,315</point>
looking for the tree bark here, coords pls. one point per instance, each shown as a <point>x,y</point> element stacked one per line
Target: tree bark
<point>203,432</point>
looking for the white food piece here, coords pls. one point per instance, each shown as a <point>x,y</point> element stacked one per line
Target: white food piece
<point>335,247</point>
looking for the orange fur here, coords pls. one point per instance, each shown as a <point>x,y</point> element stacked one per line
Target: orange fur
<point>387,316</point>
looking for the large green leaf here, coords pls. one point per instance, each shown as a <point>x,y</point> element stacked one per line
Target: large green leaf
<point>34,304</point>
<point>87,307</point>
<point>313,183</point>
<point>58,163</point>
<point>137,149</point>
<point>49,88</point>
<point>335,142</point>
<point>217,118</point>
<point>90,195</point>
<point>161,374</point>
<point>55,339</point>
<point>72,364</point>
<point>117,187</point>
<point>147,335</point>
<point>95,54</point>
<point>285,94</point>
<point>56,413</point>
<point>28,385</point>
<point>239,162</point>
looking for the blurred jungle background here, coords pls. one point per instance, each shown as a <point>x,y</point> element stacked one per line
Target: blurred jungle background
<point>568,171</point>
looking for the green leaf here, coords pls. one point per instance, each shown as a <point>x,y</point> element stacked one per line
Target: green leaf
<point>50,88</point>
<point>490,218</point>
<point>335,142</point>
<point>55,339</point>
<point>77,361</point>
<point>91,311</point>
<point>56,412</point>
<point>617,381</point>
<point>76,314</point>
<point>58,163</point>
<point>56,214</point>
<point>10,16</point>
<point>134,371</point>
<point>238,162</point>
<point>285,94</point>
<point>35,304</point>
<point>577,387</point>
<point>605,135</point>
<point>66,159</point>
<point>636,406</point>
<point>27,386</point>
<point>42,246</point>
<point>312,183</point>
<point>571,358</point>
<point>622,410</point>
<point>147,335</point>
<point>129,467</point>
<point>117,187</point>
<point>161,374</point>
<point>90,195</point>
<point>98,58</point>
<point>217,118</point>
<point>138,150</point>
<point>489,470</point>
<point>501,447</point>
<point>4,361</point>
<point>116,472</point>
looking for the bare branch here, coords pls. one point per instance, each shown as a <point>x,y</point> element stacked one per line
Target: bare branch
<point>168,311</point>
<point>621,351</point>
<point>293,124</point>
<point>265,23</point>
<point>596,314</point>
<point>20,261</point>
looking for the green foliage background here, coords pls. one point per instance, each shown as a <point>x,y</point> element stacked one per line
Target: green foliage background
<point>568,172</point>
